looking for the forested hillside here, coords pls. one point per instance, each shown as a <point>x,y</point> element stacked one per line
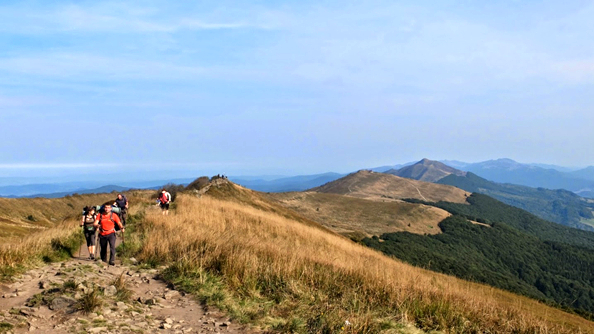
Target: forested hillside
<point>513,250</point>
<point>559,206</point>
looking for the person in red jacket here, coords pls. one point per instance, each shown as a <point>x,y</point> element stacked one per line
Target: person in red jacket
<point>106,222</point>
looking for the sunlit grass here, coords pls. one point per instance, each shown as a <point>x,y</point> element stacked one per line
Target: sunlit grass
<point>266,269</point>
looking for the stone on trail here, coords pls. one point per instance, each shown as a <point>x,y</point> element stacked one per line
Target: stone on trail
<point>60,303</point>
<point>110,291</point>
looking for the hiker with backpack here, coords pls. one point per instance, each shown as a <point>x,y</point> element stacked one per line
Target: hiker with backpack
<point>164,200</point>
<point>122,202</point>
<point>89,229</point>
<point>107,222</point>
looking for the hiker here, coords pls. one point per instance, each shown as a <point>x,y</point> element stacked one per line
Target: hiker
<point>164,201</point>
<point>89,229</point>
<point>122,202</point>
<point>106,222</point>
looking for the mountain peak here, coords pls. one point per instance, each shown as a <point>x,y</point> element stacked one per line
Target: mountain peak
<point>426,170</point>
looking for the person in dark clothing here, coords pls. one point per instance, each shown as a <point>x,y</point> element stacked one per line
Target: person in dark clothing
<point>89,229</point>
<point>106,222</point>
<point>122,202</point>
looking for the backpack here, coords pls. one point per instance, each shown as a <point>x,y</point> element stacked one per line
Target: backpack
<point>165,198</point>
<point>86,225</point>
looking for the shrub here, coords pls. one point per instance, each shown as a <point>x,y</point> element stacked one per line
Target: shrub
<point>199,183</point>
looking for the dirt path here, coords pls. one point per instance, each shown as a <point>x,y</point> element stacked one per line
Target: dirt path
<point>48,300</point>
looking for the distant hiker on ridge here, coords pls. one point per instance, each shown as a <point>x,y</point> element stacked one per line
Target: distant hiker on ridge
<point>89,229</point>
<point>122,202</point>
<point>164,200</point>
<point>106,221</point>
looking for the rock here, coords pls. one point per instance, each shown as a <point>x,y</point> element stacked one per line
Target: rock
<point>165,326</point>
<point>44,284</point>
<point>26,278</point>
<point>110,291</point>
<point>150,301</point>
<point>133,260</point>
<point>122,305</point>
<point>32,329</point>
<point>97,330</point>
<point>169,320</point>
<point>171,294</point>
<point>61,302</point>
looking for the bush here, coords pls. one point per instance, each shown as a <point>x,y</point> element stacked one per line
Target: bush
<point>199,183</point>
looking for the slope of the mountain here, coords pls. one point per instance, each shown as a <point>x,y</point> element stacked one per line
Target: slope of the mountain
<point>521,252</point>
<point>560,206</point>
<point>23,216</point>
<point>231,248</point>
<point>357,217</point>
<point>426,170</point>
<point>585,173</point>
<point>381,186</point>
<point>294,183</point>
<point>509,171</point>
<point>302,279</point>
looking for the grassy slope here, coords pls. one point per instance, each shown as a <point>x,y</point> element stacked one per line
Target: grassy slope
<point>53,235</point>
<point>263,265</point>
<point>22,216</point>
<point>356,217</point>
<point>279,273</point>
<point>380,186</point>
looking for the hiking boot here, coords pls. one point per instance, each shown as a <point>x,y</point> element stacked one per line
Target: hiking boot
<point>92,257</point>
<point>111,263</point>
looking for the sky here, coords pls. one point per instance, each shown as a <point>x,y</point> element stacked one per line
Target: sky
<point>292,87</point>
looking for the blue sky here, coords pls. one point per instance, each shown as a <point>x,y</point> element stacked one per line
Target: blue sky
<point>293,87</point>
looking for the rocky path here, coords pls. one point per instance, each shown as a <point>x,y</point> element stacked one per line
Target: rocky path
<point>56,299</point>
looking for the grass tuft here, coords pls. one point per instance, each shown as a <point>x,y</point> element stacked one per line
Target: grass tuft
<point>90,301</point>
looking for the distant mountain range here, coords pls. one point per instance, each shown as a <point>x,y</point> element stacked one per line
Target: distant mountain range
<point>559,206</point>
<point>56,190</point>
<point>294,183</point>
<point>509,171</point>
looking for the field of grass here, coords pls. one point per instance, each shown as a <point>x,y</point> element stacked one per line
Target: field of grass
<point>380,186</point>
<point>263,265</point>
<point>52,235</point>
<point>352,217</point>
<point>271,271</point>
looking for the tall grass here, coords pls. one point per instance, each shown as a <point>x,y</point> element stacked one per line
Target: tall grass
<point>269,270</point>
<point>55,244</point>
<point>57,236</point>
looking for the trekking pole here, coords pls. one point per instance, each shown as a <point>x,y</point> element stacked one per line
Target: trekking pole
<point>81,246</point>
<point>97,245</point>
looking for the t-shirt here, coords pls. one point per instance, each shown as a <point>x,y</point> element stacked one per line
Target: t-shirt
<point>121,203</point>
<point>107,226</point>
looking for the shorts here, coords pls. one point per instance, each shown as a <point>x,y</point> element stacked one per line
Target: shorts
<point>90,237</point>
<point>165,206</point>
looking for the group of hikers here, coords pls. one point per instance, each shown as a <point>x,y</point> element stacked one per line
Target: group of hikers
<point>108,221</point>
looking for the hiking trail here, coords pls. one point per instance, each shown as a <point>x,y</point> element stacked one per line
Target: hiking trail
<point>47,300</point>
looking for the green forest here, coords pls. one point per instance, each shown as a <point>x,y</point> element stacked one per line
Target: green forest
<point>518,252</point>
<point>559,206</point>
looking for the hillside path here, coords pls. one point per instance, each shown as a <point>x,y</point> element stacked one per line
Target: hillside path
<point>44,300</point>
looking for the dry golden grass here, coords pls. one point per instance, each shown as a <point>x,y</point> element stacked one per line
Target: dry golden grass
<point>56,225</point>
<point>351,216</point>
<point>283,274</point>
<point>380,186</point>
